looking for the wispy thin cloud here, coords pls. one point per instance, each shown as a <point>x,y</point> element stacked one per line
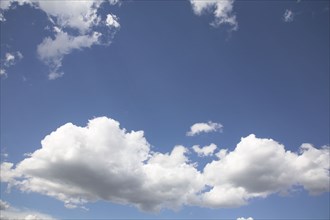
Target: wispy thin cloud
<point>288,16</point>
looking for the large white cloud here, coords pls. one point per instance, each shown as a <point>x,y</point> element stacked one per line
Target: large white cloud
<point>221,9</point>
<point>258,167</point>
<point>105,162</point>
<point>76,24</point>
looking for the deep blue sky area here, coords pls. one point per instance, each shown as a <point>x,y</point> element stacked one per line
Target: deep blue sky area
<point>166,69</point>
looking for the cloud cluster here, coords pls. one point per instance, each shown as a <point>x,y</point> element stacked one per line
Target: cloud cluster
<point>199,128</point>
<point>76,24</point>
<point>103,161</point>
<point>221,9</point>
<point>79,24</point>
<point>9,60</point>
<point>7,212</point>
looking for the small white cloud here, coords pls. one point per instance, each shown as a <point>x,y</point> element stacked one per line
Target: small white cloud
<point>112,21</point>
<point>55,75</point>
<point>198,128</point>
<point>242,218</point>
<point>57,29</point>
<point>288,16</point>
<point>4,155</point>
<point>113,2</point>
<point>222,153</point>
<point>10,59</point>
<point>205,151</point>
<point>3,72</point>
<point>221,9</point>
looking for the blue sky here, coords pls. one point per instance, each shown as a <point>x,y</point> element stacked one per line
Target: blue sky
<point>253,70</point>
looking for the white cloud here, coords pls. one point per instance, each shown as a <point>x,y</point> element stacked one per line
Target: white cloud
<point>4,5</point>
<point>4,205</point>
<point>221,9</point>
<point>51,51</point>
<point>80,15</point>
<point>2,18</point>
<point>288,16</point>
<point>205,151</point>
<point>55,74</point>
<point>113,2</point>
<point>12,213</point>
<point>10,59</point>
<point>3,72</point>
<point>112,21</point>
<point>125,172</point>
<point>102,161</point>
<point>259,167</point>
<point>198,128</point>
<point>242,218</point>
<point>76,25</point>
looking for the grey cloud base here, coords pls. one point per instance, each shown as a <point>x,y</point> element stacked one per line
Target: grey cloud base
<point>102,161</point>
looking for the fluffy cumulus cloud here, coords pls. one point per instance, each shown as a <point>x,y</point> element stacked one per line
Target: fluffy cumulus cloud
<point>103,161</point>
<point>9,59</point>
<point>288,16</point>
<point>125,172</point>
<point>259,167</point>
<point>7,212</point>
<point>76,24</point>
<point>205,151</point>
<point>198,128</point>
<point>221,9</point>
